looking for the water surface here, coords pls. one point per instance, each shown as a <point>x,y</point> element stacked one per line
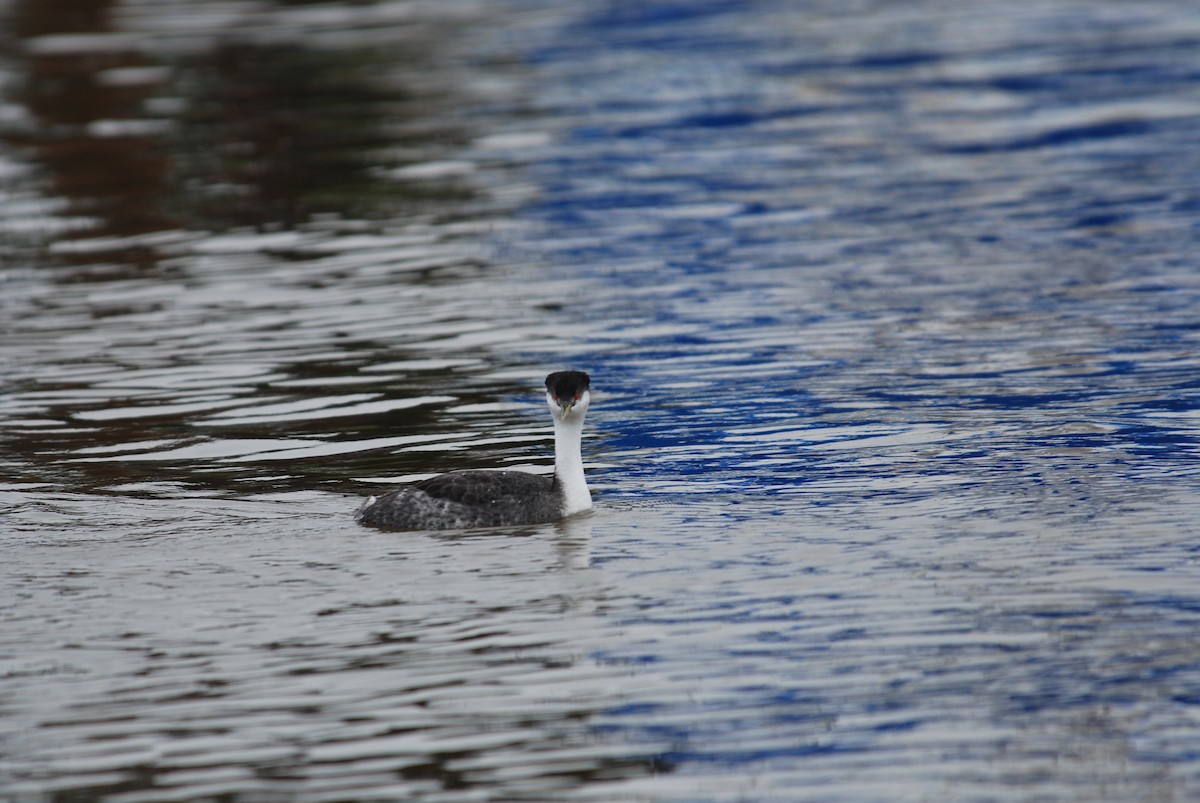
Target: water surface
<point>890,314</point>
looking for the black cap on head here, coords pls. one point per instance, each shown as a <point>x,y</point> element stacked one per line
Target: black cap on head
<point>567,385</point>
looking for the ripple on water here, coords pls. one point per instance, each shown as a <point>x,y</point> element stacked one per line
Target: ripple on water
<point>307,682</point>
<point>890,312</point>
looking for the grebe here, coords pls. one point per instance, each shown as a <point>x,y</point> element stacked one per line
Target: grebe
<point>496,498</point>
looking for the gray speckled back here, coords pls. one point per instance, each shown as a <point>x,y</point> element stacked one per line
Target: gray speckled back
<point>466,499</point>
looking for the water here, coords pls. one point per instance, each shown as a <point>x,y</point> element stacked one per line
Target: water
<point>889,310</point>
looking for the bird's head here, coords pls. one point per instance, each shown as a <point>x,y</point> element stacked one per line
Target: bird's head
<point>567,394</point>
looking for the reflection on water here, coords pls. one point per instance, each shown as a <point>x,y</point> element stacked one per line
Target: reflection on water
<point>890,314</point>
<point>85,87</point>
<point>244,124</point>
<point>276,133</point>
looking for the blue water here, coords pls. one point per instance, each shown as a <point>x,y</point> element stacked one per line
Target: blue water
<point>890,314</point>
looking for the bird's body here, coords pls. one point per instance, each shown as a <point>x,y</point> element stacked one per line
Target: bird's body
<point>466,499</point>
<point>462,499</point>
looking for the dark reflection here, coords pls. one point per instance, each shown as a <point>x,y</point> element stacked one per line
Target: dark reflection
<point>276,133</point>
<point>136,138</point>
<point>260,120</point>
<point>39,454</point>
<point>87,96</point>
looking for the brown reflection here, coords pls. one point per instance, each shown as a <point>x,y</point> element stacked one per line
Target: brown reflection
<point>86,89</point>
<point>246,133</point>
<point>276,133</point>
<point>272,120</point>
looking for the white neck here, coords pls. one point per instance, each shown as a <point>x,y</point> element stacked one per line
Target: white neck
<point>568,462</point>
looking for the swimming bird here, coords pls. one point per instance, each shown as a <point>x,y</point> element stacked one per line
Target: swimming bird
<point>482,498</point>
